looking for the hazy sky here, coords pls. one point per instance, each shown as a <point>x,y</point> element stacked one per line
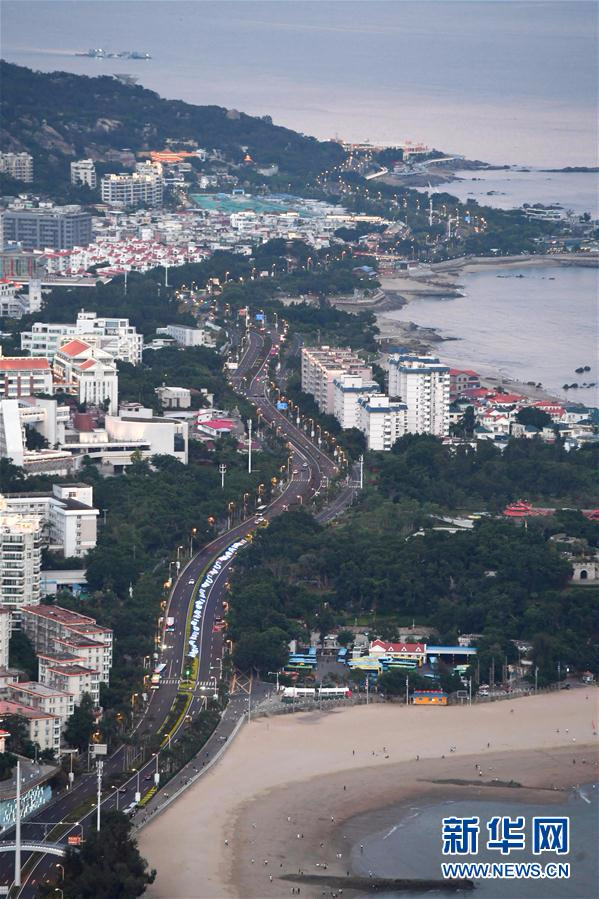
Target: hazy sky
<point>501,81</point>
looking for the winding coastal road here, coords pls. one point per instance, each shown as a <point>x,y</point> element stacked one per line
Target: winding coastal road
<point>310,469</point>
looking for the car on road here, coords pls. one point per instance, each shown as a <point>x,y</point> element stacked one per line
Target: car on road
<point>191,580</point>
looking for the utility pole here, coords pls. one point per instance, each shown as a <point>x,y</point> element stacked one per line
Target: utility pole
<point>18,828</point>
<point>165,275</point>
<point>223,470</point>
<point>125,282</point>
<point>470,691</point>
<point>361,461</point>
<point>536,678</point>
<point>407,690</point>
<point>367,689</point>
<point>99,808</point>
<point>249,445</point>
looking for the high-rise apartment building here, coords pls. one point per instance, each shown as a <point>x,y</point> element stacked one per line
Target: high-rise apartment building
<point>381,420</point>
<point>68,516</point>
<point>47,227</point>
<point>83,172</point>
<point>347,391</point>
<point>133,190</point>
<point>5,628</point>
<point>322,366</point>
<point>17,165</point>
<point>20,560</point>
<point>422,383</point>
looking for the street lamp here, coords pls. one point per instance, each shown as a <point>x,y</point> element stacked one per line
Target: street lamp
<point>191,537</point>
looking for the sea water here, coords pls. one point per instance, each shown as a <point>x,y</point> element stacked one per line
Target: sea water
<point>406,842</point>
<point>512,188</point>
<point>529,323</point>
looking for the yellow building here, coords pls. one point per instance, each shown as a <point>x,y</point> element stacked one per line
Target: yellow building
<point>429,697</point>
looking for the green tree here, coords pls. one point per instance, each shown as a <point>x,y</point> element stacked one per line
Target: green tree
<point>107,866</point>
<point>393,682</point>
<point>264,652</point>
<point>80,724</point>
<point>534,417</point>
<point>19,740</point>
<point>344,638</point>
<point>7,763</point>
<point>22,655</point>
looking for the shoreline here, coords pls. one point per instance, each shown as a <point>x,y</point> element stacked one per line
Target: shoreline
<point>546,778</point>
<point>442,284</point>
<point>285,776</point>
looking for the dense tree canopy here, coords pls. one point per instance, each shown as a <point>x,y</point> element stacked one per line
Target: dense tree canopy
<point>496,579</point>
<point>106,866</point>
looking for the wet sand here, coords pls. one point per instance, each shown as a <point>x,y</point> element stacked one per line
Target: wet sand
<point>285,776</point>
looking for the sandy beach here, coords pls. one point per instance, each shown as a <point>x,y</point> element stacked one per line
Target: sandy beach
<point>307,774</point>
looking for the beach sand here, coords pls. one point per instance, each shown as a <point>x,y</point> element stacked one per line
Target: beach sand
<point>296,767</point>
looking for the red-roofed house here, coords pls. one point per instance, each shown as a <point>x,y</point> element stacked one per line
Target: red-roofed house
<point>461,379</point>
<point>505,399</point>
<point>215,427</point>
<point>88,373</point>
<point>24,376</point>
<point>415,651</point>
<point>555,410</point>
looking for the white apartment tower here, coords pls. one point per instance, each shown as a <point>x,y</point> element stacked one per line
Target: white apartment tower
<point>20,560</point>
<point>132,190</point>
<point>422,383</point>
<point>381,420</point>
<point>322,366</point>
<point>17,165</point>
<point>5,627</point>
<point>83,171</point>
<point>347,391</point>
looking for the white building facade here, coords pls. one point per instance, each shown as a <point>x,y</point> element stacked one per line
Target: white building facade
<point>135,189</point>
<point>113,335</point>
<point>68,515</point>
<point>5,629</point>
<point>20,560</point>
<point>17,165</point>
<point>322,366</point>
<point>423,384</point>
<point>381,420</point>
<point>83,171</point>
<point>24,376</point>
<point>88,373</point>
<point>347,391</point>
<point>188,337</point>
